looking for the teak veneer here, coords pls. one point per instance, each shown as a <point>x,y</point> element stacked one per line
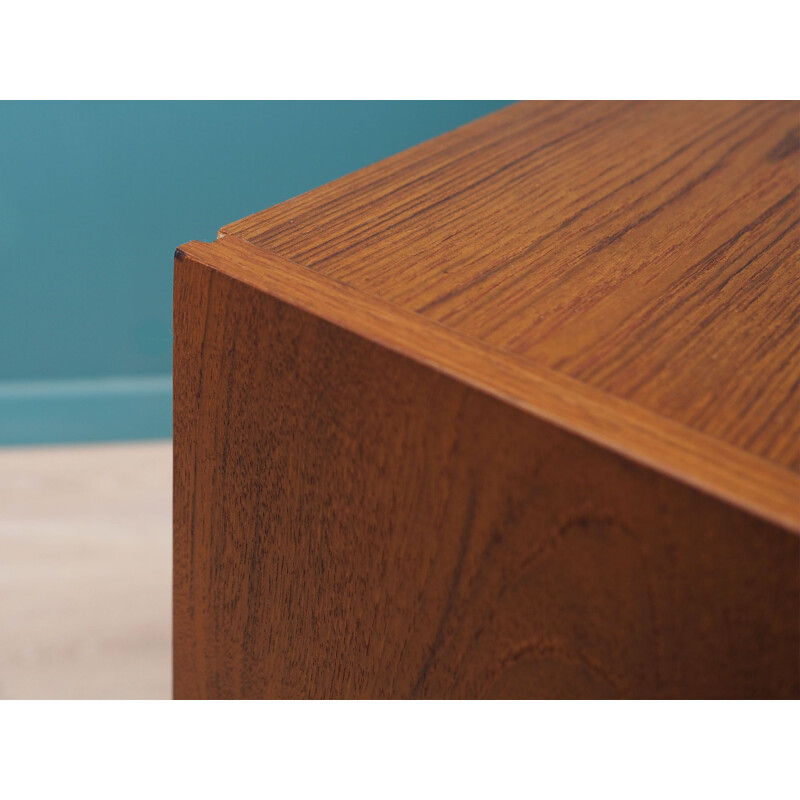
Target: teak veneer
<point>514,413</point>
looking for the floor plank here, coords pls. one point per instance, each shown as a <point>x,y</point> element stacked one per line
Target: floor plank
<point>85,571</point>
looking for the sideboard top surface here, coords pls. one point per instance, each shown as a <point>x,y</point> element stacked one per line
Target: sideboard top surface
<point>643,255</point>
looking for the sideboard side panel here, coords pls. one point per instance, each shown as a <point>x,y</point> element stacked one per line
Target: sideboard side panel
<point>350,523</point>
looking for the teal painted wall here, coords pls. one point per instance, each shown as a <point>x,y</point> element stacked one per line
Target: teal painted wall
<point>95,196</point>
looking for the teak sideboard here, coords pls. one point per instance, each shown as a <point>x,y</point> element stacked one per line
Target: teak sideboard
<point>512,414</point>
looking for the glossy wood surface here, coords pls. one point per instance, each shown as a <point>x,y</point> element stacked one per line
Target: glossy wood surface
<point>350,522</point>
<point>648,251</point>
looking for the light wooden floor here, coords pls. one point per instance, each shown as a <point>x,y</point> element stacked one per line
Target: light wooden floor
<point>85,571</point>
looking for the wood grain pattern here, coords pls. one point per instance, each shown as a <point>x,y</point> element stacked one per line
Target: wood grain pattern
<point>739,477</point>
<point>350,522</point>
<point>646,250</point>
<point>515,413</point>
